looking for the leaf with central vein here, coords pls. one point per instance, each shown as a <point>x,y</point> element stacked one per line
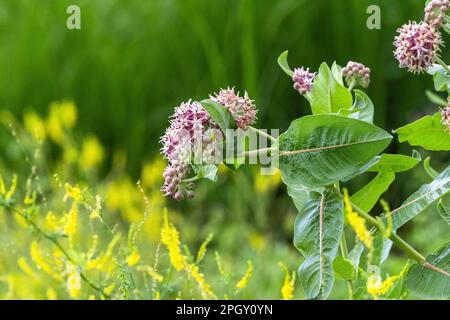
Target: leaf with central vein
<point>318,229</point>
<point>319,150</point>
<point>422,199</point>
<point>328,96</point>
<point>367,197</point>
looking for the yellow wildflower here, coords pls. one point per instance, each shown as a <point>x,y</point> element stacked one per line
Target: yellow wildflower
<point>91,297</point>
<point>170,238</point>
<point>74,282</point>
<point>70,222</point>
<point>73,192</point>
<point>51,294</point>
<point>244,281</point>
<point>41,261</point>
<point>30,198</point>
<point>152,173</point>
<point>357,223</point>
<point>51,222</point>
<point>133,258</point>
<point>205,288</point>
<point>157,296</point>
<point>287,290</point>
<point>35,125</point>
<point>109,289</point>
<point>67,113</point>
<point>2,186</point>
<point>53,125</point>
<point>7,194</point>
<point>152,273</point>
<point>23,264</point>
<point>92,153</point>
<point>202,250</point>
<point>376,287</point>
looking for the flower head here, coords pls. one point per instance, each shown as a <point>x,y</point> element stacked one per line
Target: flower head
<point>417,46</point>
<point>173,175</point>
<point>303,80</point>
<point>446,116</point>
<point>356,73</point>
<point>241,108</point>
<point>435,12</point>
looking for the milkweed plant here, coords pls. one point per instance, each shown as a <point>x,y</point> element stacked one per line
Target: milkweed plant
<point>320,152</point>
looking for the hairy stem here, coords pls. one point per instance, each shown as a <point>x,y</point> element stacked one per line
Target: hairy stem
<point>56,243</point>
<point>262,133</point>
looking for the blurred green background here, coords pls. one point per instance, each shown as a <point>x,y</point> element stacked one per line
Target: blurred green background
<point>133,61</point>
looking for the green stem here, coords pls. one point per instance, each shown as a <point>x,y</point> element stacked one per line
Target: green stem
<point>56,243</point>
<point>258,151</point>
<point>262,133</point>
<point>399,242</point>
<point>351,85</point>
<point>344,253</point>
<point>443,64</point>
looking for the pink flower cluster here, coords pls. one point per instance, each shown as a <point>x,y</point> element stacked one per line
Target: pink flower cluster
<point>446,117</point>
<point>303,80</point>
<point>435,12</point>
<point>417,46</point>
<point>356,73</point>
<point>241,108</point>
<point>188,123</point>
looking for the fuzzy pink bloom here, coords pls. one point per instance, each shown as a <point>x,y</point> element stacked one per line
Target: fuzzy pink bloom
<point>435,12</point>
<point>417,46</point>
<point>356,73</point>
<point>446,116</point>
<point>241,108</point>
<point>303,80</point>
<point>173,186</point>
<point>188,122</point>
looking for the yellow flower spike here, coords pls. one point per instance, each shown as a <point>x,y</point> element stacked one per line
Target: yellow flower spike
<point>34,124</point>
<point>157,296</point>
<point>73,192</point>
<point>170,238</point>
<point>109,289</point>
<point>67,113</point>
<point>287,290</point>
<point>151,174</point>
<point>357,223</point>
<point>12,188</point>
<point>152,273</point>
<point>51,222</point>
<point>41,261</point>
<point>205,288</point>
<point>242,284</point>
<point>376,287</point>
<point>53,124</point>
<point>70,221</point>
<point>2,186</point>
<point>134,257</point>
<point>92,153</point>
<point>73,282</point>
<point>23,264</point>
<point>51,294</point>
<point>91,297</point>
<point>202,250</point>
<point>30,198</point>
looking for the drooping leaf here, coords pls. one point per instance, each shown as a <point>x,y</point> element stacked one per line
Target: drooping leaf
<point>427,132</point>
<point>367,197</point>
<point>319,150</point>
<point>395,162</point>
<point>327,94</point>
<point>422,199</point>
<point>283,63</point>
<point>444,209</point>
<point>317,232</point>
<point>344,268</point>
<point>364,107</point>
<point>337,73</point>
<point>429,169</point>
<point>219,114</point>
<point>434,98</point>
<point>431,280</point>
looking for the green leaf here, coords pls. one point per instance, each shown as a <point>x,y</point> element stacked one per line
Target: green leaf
<point>337,73</point>
<point>283,63</point>
<point>219,114</point>
<point>299,194</point>
<point>395,162</point>
<point>429,169</point>
<point>444,210</point>
<point>367,197</point>
<point>208,171</point>
<point>427,132</point>
<point>364,107</point>
<point>434,98</point>
<point>319,150</point>
<point>327,95</point>
<point>318,228</point>
<point>344,268</point>
<point>432,279</point>
<point>422,199</point>
<point>440,77</point>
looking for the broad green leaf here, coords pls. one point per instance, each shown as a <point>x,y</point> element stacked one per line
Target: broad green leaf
<point>422,199</point>
<point>444,210</point>
<point>395,162</point>
<point>364,107</point>
<point>431,280</point>
<point>299,194</point>
<point>427,132</point>
<point>219,114</point>
<point>283,63</point>
<point>440,77</point>
<point>328,96</point>
<point>317,231</point>
<point>319,150</point>
<point>344,268</point>
<point>434,98</point>
<point>337,73</point>
<point>367,197</point>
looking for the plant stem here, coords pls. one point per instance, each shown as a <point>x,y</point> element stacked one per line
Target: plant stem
<point>258,151</point>
<point>443,64</point>
<point>398,241</point>
<point>262,133</point>
<point>56,243</point>
<point>344,253</point>
<point>352,85</point>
